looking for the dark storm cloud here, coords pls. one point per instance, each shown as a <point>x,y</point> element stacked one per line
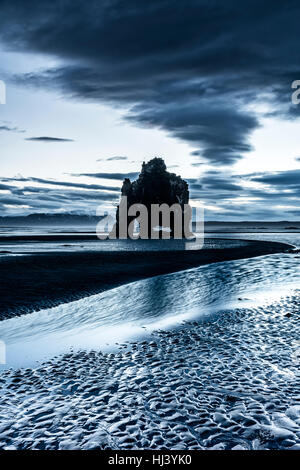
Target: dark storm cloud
<point>279,178</point>
<point>189,68</point>
<point>220,129</point>
<point>216,183</point>
<point>48,139</point>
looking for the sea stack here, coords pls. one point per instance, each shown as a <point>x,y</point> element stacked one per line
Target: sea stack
<point>155,185</point>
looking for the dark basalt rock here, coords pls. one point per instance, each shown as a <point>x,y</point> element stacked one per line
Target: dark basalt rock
<point>155,185</point>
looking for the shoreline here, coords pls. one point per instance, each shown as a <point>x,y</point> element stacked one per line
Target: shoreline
<point>6,237</point>
<point>38,281</point>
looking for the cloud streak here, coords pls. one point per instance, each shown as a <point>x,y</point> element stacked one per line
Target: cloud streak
<point>109,176</point>
<point>65,184</point>
<point>223,194</point>
<point>112,159</point>
<point>7,127</point>
<point>53,196</point>
<point>48,139</point>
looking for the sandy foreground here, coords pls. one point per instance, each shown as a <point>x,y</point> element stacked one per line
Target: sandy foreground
<point>229,381</point>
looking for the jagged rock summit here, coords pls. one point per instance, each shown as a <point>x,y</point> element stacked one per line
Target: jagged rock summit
<point>155,185</point>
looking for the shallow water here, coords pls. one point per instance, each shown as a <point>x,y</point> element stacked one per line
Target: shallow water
<point>133,310</point>
<point>88,242</point>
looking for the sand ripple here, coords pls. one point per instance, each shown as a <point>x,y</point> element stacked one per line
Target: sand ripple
<point>230,382</point>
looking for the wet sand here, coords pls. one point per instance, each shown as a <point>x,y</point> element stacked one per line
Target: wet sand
<point>35,281</point>
<point>230,382</point>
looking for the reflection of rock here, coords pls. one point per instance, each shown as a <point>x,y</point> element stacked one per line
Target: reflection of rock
<point>155,185</point>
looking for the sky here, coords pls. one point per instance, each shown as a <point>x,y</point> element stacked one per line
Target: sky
<point>95,88</point>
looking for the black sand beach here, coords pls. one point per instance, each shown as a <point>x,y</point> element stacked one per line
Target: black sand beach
<point>42,280</point>
<point>227,380</point>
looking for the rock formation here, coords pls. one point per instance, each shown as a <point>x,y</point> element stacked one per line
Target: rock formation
<point>155,185</point>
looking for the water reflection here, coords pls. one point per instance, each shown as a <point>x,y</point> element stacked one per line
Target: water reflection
<point>120,313</point>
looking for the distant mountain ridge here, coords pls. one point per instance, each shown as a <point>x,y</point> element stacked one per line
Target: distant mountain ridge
<point>85,219</point>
